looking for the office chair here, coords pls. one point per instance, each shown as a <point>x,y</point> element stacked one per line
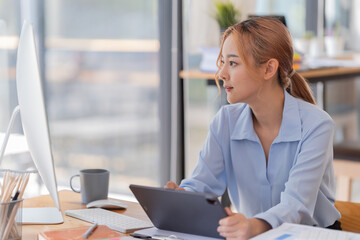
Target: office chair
<point>350,216</point>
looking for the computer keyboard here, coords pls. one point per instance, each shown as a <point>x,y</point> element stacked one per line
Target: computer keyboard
<point>116,221</point>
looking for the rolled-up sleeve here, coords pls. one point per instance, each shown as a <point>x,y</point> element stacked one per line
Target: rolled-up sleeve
<point>298,200</point>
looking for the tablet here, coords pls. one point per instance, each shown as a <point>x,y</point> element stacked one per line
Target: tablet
<point>181,211</point>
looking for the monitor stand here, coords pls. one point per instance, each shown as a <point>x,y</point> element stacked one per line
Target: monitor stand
<point>43,215</point>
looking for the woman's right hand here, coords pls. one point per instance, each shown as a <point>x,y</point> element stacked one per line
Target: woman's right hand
<point>172,185</point>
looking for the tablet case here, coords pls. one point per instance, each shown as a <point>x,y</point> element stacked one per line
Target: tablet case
<point>181,211</point>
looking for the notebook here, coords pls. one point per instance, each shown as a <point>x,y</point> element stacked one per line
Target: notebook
<point>181,211</point>
<point>101,232</point>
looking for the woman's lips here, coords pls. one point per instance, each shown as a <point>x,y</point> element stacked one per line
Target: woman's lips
<point>228,89</point>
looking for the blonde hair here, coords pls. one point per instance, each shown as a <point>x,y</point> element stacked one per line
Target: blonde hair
<point>264,38</point>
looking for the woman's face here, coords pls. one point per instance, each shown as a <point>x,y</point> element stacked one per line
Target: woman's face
<point>239,84</point>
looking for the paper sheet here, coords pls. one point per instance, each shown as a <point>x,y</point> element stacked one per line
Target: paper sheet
<point>288,231</point>
<point>154,231</point>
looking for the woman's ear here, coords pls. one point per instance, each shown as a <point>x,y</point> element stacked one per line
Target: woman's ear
<point>271,68</point>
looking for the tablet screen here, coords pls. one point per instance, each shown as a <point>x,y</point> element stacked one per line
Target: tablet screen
<point>181,211</point>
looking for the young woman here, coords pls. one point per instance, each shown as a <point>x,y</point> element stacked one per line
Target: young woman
<point>272,147</point>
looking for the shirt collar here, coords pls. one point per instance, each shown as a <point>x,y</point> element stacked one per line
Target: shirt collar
<point>244,128</point>
<point>290,129</point>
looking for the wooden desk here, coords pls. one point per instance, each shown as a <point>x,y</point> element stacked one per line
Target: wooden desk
<point>70,200</point>
<point>313,76</point>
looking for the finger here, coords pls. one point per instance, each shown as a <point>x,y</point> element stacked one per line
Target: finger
<point>225,229</point>
<point>239,225</point>
<point>238,230</point>
<point>228,221</point>
<point>228,211</point>
<point>168,185</point>
<point>234,235</point>
<point>235,218</point>
<point>171,185</point>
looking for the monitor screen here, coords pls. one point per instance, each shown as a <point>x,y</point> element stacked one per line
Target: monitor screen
<point>281,18</point>
<point>32,110</point>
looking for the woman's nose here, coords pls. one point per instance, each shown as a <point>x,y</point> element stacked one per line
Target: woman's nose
<point>223,75</point>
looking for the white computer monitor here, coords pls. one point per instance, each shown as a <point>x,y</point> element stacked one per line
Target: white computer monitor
<point>35,125</point>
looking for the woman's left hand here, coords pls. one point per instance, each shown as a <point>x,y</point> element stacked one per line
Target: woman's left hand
<point>235,226</point>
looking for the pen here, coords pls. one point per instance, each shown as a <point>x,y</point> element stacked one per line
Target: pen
<point>13,199</point>
<point>171,237</point>
<point>155,237</point>
<point>89,231</point>
<point>16,195</point>
<point>142,236</point>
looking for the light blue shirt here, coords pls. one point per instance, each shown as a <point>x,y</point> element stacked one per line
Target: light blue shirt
<point>296,186</point>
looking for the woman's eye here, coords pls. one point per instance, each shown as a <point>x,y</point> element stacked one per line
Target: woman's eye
<point>222,62</point>
<point>232,63</point>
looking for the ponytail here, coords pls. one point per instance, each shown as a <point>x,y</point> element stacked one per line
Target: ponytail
<point>299,88</point>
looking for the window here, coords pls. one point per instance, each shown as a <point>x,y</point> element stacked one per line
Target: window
<point>102,88</point>
<point>101,84</point>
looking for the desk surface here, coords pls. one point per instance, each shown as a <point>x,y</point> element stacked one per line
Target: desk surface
<point>70,200</point>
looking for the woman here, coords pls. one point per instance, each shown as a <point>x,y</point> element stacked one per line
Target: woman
<point>272,146</point>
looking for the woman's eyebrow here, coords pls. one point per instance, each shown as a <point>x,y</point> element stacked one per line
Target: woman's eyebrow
<point>232,55</point>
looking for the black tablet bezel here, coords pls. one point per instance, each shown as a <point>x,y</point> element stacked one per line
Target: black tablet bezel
<point>181,211</point>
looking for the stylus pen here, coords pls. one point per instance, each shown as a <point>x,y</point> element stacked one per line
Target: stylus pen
<point>89,231</point>
<point>155,237</point>
<point>142,236</point>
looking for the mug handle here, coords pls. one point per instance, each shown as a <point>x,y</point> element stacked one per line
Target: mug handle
<point>77,175</point>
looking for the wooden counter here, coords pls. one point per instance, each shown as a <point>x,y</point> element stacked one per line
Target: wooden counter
<point>313,76</point>
<point>70,200</point>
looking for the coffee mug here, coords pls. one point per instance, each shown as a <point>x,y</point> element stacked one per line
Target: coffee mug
<point>94,184</point>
